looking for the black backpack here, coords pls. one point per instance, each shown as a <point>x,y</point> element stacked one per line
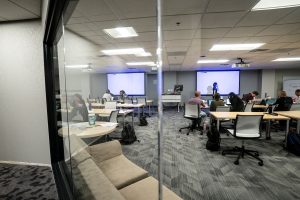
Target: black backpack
<point>213,142</point>
<point>128,134</point>
<point>143,121</point>
<point>293,143</point>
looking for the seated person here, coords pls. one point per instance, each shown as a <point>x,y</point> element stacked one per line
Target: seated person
<point>216,102</point>
<point>107,95</point>
<point>296,98</point>
<point>283,102</point>
<point>197,100</point>
<point>250,96</point>
<point>237,104</point>
<point>123,95</point>
<point>79,112</point>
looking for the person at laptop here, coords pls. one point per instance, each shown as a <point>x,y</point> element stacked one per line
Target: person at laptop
<point>123,95</point>
<point>237,104</point>
<point>197,100</point>
<point>216,102</point>
<point>250,96</point>
<point>107,95</point>
<point>296,98</point>
<point>283,102</point>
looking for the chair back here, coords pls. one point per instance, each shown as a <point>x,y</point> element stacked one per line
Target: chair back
<point>191,110</point>
<point>222,109</point>
<point>248,126</point>
<point>114,116</point>
<point>128,101</point>
<point>141,101</point>
<point>295,106</point>
<point>104,100</point>
<point>110,105</point>
<point>248,107</point>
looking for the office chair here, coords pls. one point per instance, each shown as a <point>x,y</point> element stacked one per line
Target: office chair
<point>192,112</point>
<point>114,116</point>
<point>295,107</point>
<point>110,105</point>
<point>104,100</point>
<point>246,127</point>
<point>223,109</point>
<point>248,107</point>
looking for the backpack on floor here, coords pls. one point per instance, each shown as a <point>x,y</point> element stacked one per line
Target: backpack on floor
<point>293,143</point>
<point>213,142</point>
<point>143,121</point>
<point>128,134</point>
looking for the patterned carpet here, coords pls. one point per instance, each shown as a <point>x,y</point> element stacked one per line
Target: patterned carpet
<point>195,173</point>
<point>18,182</point>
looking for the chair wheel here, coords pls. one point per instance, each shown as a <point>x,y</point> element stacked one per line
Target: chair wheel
<point>260,163</point>
<point>236,162</point>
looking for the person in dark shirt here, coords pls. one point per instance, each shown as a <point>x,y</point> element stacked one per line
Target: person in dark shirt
<point>216,102</point>
<point>283,102</point>
<point>237,104</point>
<point>79,112</point>
<point>250,96</point>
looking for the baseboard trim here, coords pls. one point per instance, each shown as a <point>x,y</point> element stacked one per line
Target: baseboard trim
<point>25,163</point>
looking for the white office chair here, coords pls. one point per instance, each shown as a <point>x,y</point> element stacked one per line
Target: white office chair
<point>104,100</point>
<point>295,106</point>
<point>248,107</point>
<point>223,109</point>
<point>110,105</point>
<point>246,127</point>
<point>192,112</point>
<point>114,116</point>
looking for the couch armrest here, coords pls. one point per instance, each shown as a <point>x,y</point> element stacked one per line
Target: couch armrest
<point>105,151</point>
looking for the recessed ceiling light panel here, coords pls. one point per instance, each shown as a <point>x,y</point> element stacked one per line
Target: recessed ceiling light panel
<point>121,32</point>
<point>141,63</point>
<point>275,4</point>
<point>287,59</point>
<point>113,52</point>
<point>235,47</point>
<point>77,66</point>
<point>212,61</point>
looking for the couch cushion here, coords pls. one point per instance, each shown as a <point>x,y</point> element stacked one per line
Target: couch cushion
<point>105,151</point>
<point>147,189</point>
<point>91,183</point>
<point>121,171</point>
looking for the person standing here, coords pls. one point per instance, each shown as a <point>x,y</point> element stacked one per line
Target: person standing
<point>107,95</point>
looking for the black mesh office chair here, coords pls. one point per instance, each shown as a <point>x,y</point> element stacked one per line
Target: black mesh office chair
<point>246,127</point>
<point>192,112</point>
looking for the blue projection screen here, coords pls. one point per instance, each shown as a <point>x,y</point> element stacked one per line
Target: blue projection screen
<point>227,81</point>
<point>131,83</point>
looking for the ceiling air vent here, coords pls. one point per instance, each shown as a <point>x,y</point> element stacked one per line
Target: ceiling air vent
<point>177,53</point>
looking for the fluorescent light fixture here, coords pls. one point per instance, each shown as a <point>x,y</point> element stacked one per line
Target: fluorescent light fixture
<point>145,54</point>
<point>212,61</point>
<point>288,59</point>
<point>77,66</point>
<point>112,52</point>
<point>275,4</point>
<point>141,63</point>
<point>121,32</point>
<point>235,47</point>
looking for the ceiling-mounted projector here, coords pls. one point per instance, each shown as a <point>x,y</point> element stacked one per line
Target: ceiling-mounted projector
<point>240,64</point>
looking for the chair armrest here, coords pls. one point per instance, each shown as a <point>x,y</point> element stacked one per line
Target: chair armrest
<point>105,151</point>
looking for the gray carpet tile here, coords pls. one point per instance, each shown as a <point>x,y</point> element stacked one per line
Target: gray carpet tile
<point>195,173</point>
<point>18,182</point>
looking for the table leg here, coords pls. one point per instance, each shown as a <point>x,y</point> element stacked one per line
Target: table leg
<point>298,126</point>
<point>138,112</point>
<point>268,130</point>
<point>124,120</point>
<point>149,107</point>
<point>178,107</point>
<point>132,118</point>
<point>218,124</point>
<point>286,132</point>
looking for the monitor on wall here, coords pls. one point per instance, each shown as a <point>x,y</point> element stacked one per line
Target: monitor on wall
<point>223,82</point>
<point>131,83</point>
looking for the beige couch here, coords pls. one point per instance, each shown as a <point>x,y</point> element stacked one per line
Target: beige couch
<point>103,172</point>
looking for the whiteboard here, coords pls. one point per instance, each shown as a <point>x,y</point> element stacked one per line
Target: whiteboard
<point>290,86</point>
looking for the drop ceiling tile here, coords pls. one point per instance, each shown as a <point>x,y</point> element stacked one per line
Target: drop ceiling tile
<point>215,20</point>
<point>78,20</point>
<point>146,37</point>
<point>264,17</point>
<point>93,7</point>
<point>97,39</point>
<point>179,34</point>
<point>177,49</point>
<point>10,11</point>
<point>78,27</point>
<point>288,38</point>
<point>133,8</point>
<point>33,6</point>
<point>174,43</point>
<point>186,22</point>
<point>261,39</point>
<point>279,29</point>
<point>211,32</point>
<point>172,7</point>
<point>175,59</point>
<point>230,5</point>
<point>293,17</point>
<point>244,31</point>
<point>232,40</point>
<point>87,33</point>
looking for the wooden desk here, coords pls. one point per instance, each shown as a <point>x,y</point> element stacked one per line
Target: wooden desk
<point>128,105</point>
<point>292,114</point>
<point>232,115</point>
<point>84,130</point>
<point>257,106</point>
<point>106,112</point>
<point>171,98</point>
<point>97,105</point>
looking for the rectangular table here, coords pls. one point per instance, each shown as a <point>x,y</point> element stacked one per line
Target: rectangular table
<point>232,115</point>
<point>293,115</point>
<point>171,98</point>
<point>106,112</point>
<point>128,105</point>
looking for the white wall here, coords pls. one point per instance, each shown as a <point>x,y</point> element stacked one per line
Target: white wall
<point>268,83</point>
<point>23,116</point>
